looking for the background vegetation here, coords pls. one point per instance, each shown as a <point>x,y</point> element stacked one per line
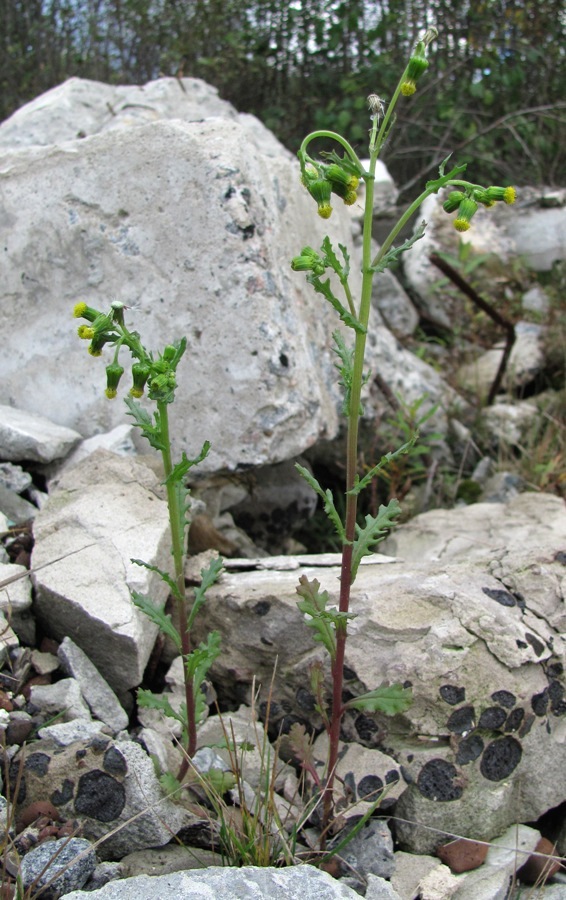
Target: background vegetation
<point>494,92</point>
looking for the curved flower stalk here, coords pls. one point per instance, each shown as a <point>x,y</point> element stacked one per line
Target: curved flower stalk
<point>338,176</point>
<point>157,375</point>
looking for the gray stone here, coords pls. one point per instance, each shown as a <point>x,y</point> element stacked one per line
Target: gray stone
<point>502,487</point>
<point>103,873</point>
<point>101,699</point>
<point>370,852</point>
<point>539,235</point>
<point>120,441</point>
<point>394,304</point>
<point>525,362</point>
<point>507,422</point>
<point>164,860</point>
<point>536,300</point>
<point>438,884</point>
<point>277,502</point>
<point>44,663</point>
<point>58,866</point>
<point>110,787</point>
<point>98,232</point>
<point>66,733</point>
<point>8,639</point>
<point>250,882</point>
<point>470,613</point>
<point>100,516</point>
<point>15,593</point>
<point>480,531</point>
<point>79,108</point>
<point>26,435</point>
<point>410,869</point>
<point>62,697</point>
<point>16,508</point>
<point>380,889</point>
<point>14,478</point>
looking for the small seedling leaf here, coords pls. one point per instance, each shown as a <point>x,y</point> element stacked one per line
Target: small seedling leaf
<point>374,530</point>
<point>388,699</point>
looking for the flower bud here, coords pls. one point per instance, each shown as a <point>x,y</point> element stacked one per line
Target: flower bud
<point>169,352</point>
<point>82,311</point>
<point>418,64</point>
<point>85,332</point>
<point>320,190</point>
<point>308,261</point>
<point>408,88</point>
<point>453,201</point>
<point>140,374</point>
<point>98,342</point>
<point>113,374</point>
<point>508,194</point>
<point>162,387</point>
<point>466,210</point>
<point>117,311</point>
<point>342,182</point>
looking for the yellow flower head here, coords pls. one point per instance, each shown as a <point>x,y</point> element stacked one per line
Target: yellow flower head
<point>461,224</point>
<point>82,311</point>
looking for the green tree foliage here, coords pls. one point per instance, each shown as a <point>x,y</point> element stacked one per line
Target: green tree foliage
<point>310,63</point>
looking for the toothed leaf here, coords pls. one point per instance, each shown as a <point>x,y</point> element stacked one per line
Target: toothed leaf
<point>374,530</point>
<point>395,252</point>
<point>361,483</point>
<point>323,287</point>
<point>388,699</point>
<point>158,616</point>
<point>327,498</point>
<point>209,576</point>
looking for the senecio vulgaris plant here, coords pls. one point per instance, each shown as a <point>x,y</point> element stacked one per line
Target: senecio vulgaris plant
<point>329,176</point>
<point>157,375</point>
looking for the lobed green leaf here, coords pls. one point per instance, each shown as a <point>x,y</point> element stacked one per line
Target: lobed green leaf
<point>327,498</point>
<point>395,252</point>
<point>323,287</point>
<point>388,699</point>
<point>374,530</point>
<point>158,616</point>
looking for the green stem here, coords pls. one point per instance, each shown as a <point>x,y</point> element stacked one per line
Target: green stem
<point>333,136</point>
<point>178,550</point>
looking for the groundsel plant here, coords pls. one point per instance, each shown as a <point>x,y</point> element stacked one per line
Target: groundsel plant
<point>335,175</point>
<point>157,375</point>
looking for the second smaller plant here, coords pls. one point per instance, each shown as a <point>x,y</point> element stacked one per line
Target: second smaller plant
<point>157,375</point>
